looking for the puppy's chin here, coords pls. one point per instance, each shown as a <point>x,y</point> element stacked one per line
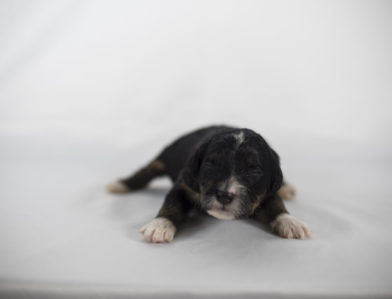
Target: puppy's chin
<point>221,214</point>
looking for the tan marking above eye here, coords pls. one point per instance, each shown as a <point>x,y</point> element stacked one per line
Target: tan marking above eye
<point>251,160</point>
<point>259,199</point>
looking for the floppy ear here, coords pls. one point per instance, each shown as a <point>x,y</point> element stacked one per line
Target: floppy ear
<point>276,180</point>
<point>192,170</point>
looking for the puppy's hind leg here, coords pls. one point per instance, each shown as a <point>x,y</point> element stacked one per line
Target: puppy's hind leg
<point>138,180</point>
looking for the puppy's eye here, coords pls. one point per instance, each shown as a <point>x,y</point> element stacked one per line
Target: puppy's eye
<point>213,159</point>
<point>255,171</point>
<point>254,168</point>
<point>209,164</point>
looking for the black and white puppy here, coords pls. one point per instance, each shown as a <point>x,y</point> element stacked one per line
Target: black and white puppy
<point>226,172</point>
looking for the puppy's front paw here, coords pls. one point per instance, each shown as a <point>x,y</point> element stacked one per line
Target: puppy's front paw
<point>117,187</point>
<point>289,227</point>
<point>287,192</point>
<point>159,230</point>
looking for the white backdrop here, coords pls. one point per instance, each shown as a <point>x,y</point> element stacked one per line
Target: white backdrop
<point>90,90</point>
<point>100,69</point>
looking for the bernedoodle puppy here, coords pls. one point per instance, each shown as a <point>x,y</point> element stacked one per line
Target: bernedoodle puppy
<point>227,172</point>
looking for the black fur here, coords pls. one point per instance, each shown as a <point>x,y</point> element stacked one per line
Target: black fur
<point>207,165</point>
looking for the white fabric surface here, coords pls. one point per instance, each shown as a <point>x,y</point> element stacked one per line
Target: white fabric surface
<point>89,91</point>
<point>61,230</point>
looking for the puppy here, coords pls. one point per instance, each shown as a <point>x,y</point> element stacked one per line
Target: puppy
<point>229,173</point>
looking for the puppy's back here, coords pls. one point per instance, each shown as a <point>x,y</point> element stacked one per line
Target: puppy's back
<point>176,154</point>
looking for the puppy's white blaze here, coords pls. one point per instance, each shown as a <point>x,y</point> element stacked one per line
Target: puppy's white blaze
<point>117,187</point>
<point>159,230</point>
<point>233,185</point>
<point>289,227</point>
<point>221,214</point>
<point>239,137</point>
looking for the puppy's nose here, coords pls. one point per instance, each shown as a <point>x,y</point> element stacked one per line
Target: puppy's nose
<point>224,197</point>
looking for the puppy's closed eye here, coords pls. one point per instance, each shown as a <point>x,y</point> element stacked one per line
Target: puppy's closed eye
<point>210,163</point>
<point>213,159</point>
<point>254,167</point>
<point>255,172</point>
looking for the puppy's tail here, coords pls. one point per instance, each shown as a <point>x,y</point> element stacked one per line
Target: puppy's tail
<point>138,180</point>
<point>287,191</point>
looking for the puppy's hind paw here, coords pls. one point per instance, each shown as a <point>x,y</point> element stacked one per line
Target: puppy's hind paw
<point>160,230</point>
<point>117,187</point>
<point>287,192</point>
<point>289,227</point>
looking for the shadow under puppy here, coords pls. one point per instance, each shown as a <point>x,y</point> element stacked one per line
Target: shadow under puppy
<point>226,172</point>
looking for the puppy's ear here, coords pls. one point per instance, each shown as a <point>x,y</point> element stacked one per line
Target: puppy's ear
<point>191,173</point>
<point>276,180</point>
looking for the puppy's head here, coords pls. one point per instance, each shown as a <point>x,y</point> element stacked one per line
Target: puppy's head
<point>233,171</point>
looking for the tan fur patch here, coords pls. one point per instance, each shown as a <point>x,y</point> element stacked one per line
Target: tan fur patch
<point>159,165</point>
<point>192,194</point>
<point>258,202</point>
<point>287,192</point>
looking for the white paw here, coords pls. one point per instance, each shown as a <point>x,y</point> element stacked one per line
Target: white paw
<point>289,227</point>
<point>117,187</point>
<point>159,230</point>
<point>287,192</point>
